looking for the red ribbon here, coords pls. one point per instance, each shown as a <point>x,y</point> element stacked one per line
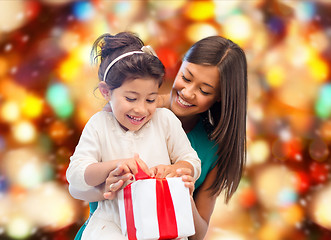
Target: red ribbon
<point>165,208</point>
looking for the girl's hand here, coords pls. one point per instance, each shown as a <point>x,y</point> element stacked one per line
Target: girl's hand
<point>125,170</point>
<point>115,182</point>
<point>162,171</point>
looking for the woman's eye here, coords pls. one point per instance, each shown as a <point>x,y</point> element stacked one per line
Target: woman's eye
<point>204,93</point>
<point>130,99</point>
<point>150,100</point>
<point>185,79</point>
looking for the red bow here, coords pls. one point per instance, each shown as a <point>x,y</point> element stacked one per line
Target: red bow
<point>165,208</point>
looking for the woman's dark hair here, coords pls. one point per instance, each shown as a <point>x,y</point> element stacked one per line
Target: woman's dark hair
<point>108,47</point>
<point>229,114</point>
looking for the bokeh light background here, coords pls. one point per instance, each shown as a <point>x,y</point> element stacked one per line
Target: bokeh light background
<point>47,94</point>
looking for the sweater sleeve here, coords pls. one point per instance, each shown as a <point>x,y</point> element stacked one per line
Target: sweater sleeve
<point>86,152</point>
<point>179,146</point>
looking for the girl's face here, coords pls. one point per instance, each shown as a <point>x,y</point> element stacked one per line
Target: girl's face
<point>195,89</point>
<point>134,103</point>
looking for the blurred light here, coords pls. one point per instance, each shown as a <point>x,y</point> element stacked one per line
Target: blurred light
<point>70,69</point>
<point>32,106</point>
<point>50,206</point>
<point>3,66</point>
<point>165,9</point>
<point>197,31</point>
<point>287,197</point>
<point>319,69</point>
<point>325,130</point>
<point>270,182</point>
<point>56,2</point>
<point>259,151</point>
<point>200,10</point>
<point>323,103</point>
<point>58,97</point>
<point>320,209</point>
<point>3,185</point>
<point>58,131</point>
<point>12,15</point>
<point>83,10</point>
<point>275,76</point>
<point>24,132</point>
<point>319,172</point>
<point>305,11</point>
<point>24,167</point>
<point>5,209</point>
<point>30,175</point>
<point>293,214</point>
<point>19,227</point>
<point>3,144</point>
<point>10,111</point>
<point>276,25</point>
<point>69,40</point>
<point>238,28</point>
<point>302,182</point>
<point>224,9</point>
<point>318,150</point>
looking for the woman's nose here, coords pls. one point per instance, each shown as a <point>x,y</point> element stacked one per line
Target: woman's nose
<point>188,92</point>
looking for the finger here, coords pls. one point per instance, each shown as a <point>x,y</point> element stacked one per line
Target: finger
<point>183,171</point>
<point>152,171</point>
<point>119,170</point>
<point>110,195</point>
<point>114,187</point>
<point>160,172</point>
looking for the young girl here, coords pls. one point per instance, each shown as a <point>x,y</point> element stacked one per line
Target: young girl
<point>209,96</point>
<point>130,79</point>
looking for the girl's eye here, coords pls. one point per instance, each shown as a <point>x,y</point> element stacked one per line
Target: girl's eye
<point>185,79</point>
<point>130,99</point>
<point>150,100</point>
<point>204,93</point>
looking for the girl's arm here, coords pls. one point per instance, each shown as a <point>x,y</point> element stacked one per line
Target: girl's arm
<point>203,206</point>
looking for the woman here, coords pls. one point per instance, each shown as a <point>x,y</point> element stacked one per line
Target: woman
<point>209,96</point>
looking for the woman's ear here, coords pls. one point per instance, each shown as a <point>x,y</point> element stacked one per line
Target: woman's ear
<point>104,90</point>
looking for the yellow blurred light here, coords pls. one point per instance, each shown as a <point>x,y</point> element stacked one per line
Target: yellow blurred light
<point>19,227</point>
<point>24,132</point>
<point>258,151</point>
<point>321,208</point>
<point>318,69</point>
<point>275,76</point>
<point>293,214</point>
<point>238,28</point>
<point>32,106</point>
<point>200,10</point>
<point>12,15</point>
<point>198,31</point>
<point>269,184</point>
<point>69,69</point>
<point>10,111</point>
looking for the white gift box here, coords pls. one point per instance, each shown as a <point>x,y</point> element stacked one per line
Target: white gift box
<point>147,211</point>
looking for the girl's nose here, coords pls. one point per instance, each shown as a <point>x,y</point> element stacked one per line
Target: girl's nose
<point>140,108</point>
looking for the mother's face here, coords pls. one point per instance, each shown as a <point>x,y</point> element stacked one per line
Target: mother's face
<point>195,89</point>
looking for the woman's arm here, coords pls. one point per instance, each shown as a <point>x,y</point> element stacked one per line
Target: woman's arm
<point>203,206</point>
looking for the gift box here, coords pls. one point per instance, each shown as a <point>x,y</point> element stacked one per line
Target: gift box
<point>153,208</point>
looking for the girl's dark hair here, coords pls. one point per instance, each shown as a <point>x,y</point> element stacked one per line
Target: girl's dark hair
<point>229,114</point>
<point>108,47</point>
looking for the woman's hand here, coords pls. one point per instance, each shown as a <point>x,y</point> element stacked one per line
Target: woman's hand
<point>189,183</point>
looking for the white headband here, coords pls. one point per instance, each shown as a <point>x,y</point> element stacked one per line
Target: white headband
<point>144,49</point>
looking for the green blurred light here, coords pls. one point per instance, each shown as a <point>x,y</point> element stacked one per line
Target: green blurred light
<point>323,103</point>
<point>58,97</point>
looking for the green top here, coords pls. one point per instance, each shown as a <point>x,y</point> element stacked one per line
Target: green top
<point>206,150</point>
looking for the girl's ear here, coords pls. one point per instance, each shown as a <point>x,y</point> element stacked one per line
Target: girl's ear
<point>104,90</point>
